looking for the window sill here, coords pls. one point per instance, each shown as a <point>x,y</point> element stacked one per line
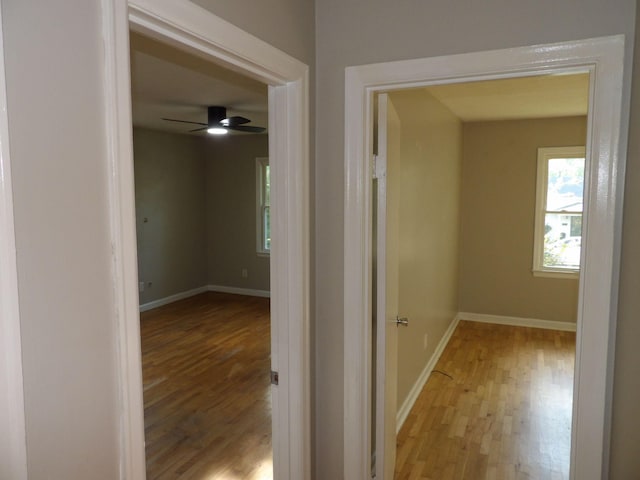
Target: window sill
<point>566,274</point>
<point>263,254</point>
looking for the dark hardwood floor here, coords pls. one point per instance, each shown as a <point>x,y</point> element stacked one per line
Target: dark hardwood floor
<point>497,406</point>
<point>207,400</point>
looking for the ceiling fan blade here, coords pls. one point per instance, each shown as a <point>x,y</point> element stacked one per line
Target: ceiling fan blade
<point>242,128</point>
<point>198,129</point>
<point>234,121</point>
<point>182,121</point>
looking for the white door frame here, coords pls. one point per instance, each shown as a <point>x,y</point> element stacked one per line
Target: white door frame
<point>597,303</point>
<point>13,444</point>
<point>191,28</point>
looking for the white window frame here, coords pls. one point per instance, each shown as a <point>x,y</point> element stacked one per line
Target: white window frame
<point>544,155</point>
<point>261,167</point>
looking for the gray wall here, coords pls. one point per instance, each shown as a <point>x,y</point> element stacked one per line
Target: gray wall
<point>498,205</point>
<point>198,195</point>
<point>625,442</point>
<point>286,24</point>
<point>231,211</point>
<point>59,160</point>
<point>171,216</point>
<point>357,32</point>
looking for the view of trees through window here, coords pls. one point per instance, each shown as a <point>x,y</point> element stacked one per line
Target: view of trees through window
<point>563,213</point>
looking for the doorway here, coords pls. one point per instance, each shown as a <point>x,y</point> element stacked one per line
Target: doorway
<point>466,195</point>
<point>190,28</point>
<point>600,57</point>
<point>202,200</point>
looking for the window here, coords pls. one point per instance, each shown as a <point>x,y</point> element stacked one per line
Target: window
<point>263,204</point>
<point>558,216</point>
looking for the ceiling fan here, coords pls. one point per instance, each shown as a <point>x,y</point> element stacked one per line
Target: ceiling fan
<point>219,124</point>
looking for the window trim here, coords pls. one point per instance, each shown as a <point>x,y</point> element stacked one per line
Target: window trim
<point>544,155</point>
<point>261,164</point>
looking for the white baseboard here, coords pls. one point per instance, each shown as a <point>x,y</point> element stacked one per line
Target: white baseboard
<point>207,288</point>
<point>239,291</point>
<point>171,298</point>
<point>518,321</point>
<point>408,403</point>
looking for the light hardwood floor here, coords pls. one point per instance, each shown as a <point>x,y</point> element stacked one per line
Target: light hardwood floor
<point>497,406</point>
<point>207,401</point>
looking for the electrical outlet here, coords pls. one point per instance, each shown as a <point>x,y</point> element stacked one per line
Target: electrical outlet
<point>245,273</point>
<point>141,287</point>
<point>425,340</point>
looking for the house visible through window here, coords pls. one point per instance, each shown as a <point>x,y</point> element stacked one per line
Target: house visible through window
<point>263,204</point>
<point>558,216</point>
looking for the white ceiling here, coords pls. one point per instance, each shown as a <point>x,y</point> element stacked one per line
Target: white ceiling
<point>542,96</point>
<point>167,82</point>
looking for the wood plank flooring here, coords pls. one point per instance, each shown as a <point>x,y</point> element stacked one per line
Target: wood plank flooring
<point>497,407</point>
<point>207,400</point>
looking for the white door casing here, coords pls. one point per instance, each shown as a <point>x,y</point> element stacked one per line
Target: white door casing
<point>187,26</point>
<point>13,444</point>
<point>603,59</point>
<point>387,284</point>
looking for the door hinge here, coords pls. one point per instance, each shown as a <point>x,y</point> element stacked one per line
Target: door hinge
<point>274,378</point>
<point>379,167</point>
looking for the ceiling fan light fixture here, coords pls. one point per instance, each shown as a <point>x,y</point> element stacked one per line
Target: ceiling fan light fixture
<point>219,124</point>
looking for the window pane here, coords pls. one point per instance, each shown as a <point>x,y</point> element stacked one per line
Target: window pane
<point>266,228</point>
<point>576,226</point>
<point>562,240</point>
<point>565,184</point>
<point>267,185</point>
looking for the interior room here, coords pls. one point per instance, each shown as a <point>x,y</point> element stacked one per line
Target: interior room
<point>203,241</point>
<point>71,403</point>
<point>485,366</point>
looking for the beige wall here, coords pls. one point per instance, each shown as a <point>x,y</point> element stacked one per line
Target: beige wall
<point>498,204</point>
<point>358,32</point>
<point>431,152</point>
<point>479,177</point>
<point>231,207</point>
<point>170,195</point>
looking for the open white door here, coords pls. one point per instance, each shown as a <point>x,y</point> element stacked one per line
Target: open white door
<point>386,287</point>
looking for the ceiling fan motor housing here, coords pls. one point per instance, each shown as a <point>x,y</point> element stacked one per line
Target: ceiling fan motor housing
<point>215,115</point>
